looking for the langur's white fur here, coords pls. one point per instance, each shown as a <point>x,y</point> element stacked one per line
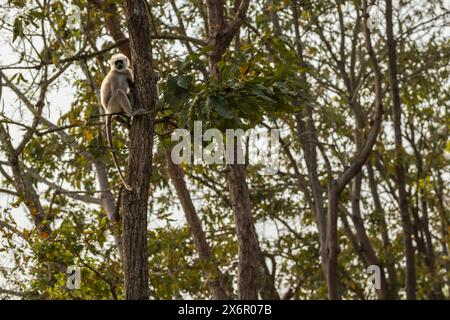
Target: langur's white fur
<point>114,98</point>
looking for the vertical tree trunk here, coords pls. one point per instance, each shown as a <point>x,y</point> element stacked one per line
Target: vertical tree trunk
<point>250,257</point>
<point>399,168</point>
<point>365,245</point>
<point>249,268</point>
<point>332,241</point>
<point>336,186</point>
<point>389,259</point>
<point>368,252</point>
<point>135,202</point>
<point>216,280</point>
<point>425,245</point>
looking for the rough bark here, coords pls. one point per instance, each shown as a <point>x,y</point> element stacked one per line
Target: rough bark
<point>135,202</point>
<point>399,167</point>
<point>249,268</point>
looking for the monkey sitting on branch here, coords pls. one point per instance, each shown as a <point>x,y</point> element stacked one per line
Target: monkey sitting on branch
<point>114,98</point>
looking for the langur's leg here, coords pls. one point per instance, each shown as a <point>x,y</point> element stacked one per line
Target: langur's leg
<point>114,104</point>
<point>121,102</point>
<point>124,102</point>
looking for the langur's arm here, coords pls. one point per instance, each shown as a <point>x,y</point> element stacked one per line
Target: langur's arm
<point>105,95</point>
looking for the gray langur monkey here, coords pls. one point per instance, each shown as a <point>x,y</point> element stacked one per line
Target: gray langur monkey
<point>114,98</point>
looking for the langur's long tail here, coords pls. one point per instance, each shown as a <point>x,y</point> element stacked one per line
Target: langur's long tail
<point>109,138</point>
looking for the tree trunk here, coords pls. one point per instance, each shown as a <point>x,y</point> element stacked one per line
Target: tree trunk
<point>249,268</point>
<point>426,247</point>
<point>250,258</point>
<point>368,252</point>
<point>399,168</point>
<point>216,280</point>
<point>337,186</point>
<point>135,202</point>
<point>389,259</point>
<point>332,241</point>
<point>365,245</point>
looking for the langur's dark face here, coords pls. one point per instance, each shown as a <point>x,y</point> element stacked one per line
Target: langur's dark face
<point>119,64</point>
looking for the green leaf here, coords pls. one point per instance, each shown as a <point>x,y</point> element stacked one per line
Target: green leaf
<point>185,81</point>
<point>220,105</point>
<point>260,91</point>
<point>37,14</point>
<point>17,28</point>
<point>175,95</point>
<point>18,3</point>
